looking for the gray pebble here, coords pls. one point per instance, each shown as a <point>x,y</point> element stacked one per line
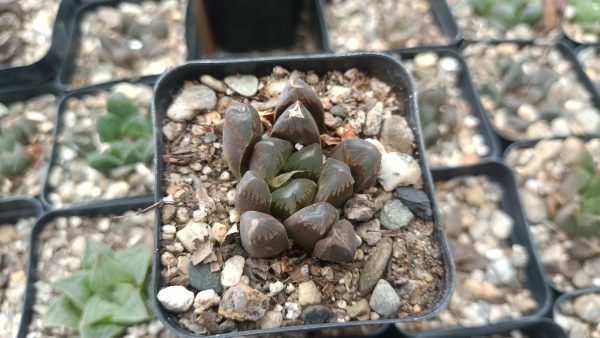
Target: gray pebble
<point>245,85</point>
<point>384,299</point>
<point>395,215</point>
<point>315,314</point>
<point>375,266</point>
<point>201,278</point>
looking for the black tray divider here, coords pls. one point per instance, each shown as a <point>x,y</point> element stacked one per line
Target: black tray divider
<point>377,65</point>
<point>46,189</point>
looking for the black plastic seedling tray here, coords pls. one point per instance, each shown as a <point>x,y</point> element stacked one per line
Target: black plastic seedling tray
<point>570,296</point>
<point>67,65</point>
<point>439,9</point>
<point>577,51</point>
<point>103,208</point>
<point>241,27</point>
<point>377,65</point>
<point>467,92</point>
<point>535,280</point>
<point>13,94</point>
<point>58,129</point>
<point>529,144</point>
<point>47,67</point>
<point>569,55</point>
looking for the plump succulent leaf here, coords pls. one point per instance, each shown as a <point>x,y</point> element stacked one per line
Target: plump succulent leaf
<point>335,183</point>
<point>242,129</point>
<point>296,125</point>
<point>364,161</point>
<point>101,330</point>
<point>292,197</point>
<point>120,105</point>
<point>340,244</point>
<point>62,313</point>
<point>136,260</point>
<point>104,162</point>
<point>137,126</point>
<point>76,287</point>
<point>269,157</point>
<point>308,225</point>
<point>252,193</point>
<point>132,309</point>
<point>297,90</point>
<point>309,160</point>
<point>108,127</point>
<point>15,162</point>
<point>262,235</point>
<point>108,271</point>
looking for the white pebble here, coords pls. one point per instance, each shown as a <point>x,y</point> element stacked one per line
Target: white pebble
<point>176,298</point>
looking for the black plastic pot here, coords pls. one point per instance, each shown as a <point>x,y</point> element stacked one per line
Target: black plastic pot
<point>569,55</point>
<point>58,129</point>
<point>47,67</point>
<point>114,207</point>
<point>377,65</point>
<point>441,13</point>
<point>529,144</point>
<point>467,92</point>
<point>68,65</point>
<point>534,273</point>
<point>244,27</point>
<point>23,93</point>
<point>581,48</point>
<point>571,296</point>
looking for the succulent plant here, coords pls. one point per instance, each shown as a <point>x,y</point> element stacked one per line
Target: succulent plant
<point>127,133</point>
<point>11,21</point>
<point>507,14</point>
<point>14,154</point>
<point>106,295</point>
<point>580,214</point>
<point>586,14</point>
<point>286,189</point>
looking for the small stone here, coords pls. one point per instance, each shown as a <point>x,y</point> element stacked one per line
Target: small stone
<point>290,288</point>
<point>581,279</point>
<point>308,293</point>
<point>227,326</point>
<point>483,289</point>
<point>176,298</point>
<point>338,111</point>
<point>219,231</point>
<point>396,135</point>
<point>168,211</point>
<point>181,215</point>
<point>373,120</point>
<point>416,200</point>
<point>519,256</point>
<point>245,85</point>
<point>475,196</point>
<point>587,307</point>
<point>501,271</point>
<point>213,83</point>
<point>190,232</point>
<point>361,308</point>
<point>270,320</point>
<point>292,310</point>
<point>232,271</point>
<point>316,314</point>
<point>534,207</point>
<point>199,215</point>
<point>339,94</point>
<point>399,169</point>
<point>183,264</point>
<point>395,215</point>
<point>205,300</point>
<point>241,302</point>
<point>172,130</point>
<point>275,288</point>
<point>375,266</point>
<point>202,278</point>
<point>190,102</point>
<point>384,299</point>
<point>359,208</point>
<point>501,224</point>
<point>370,231</point>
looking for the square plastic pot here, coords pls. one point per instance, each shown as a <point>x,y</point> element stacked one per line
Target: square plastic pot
<point>380,66</point>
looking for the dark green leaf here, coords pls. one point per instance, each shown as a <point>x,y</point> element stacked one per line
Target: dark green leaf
<point>137,126</point>
<point>108,127</point>
<point>118,104</point>
<point>104,162</point>
<point>62,313</point>
<point>76,287</point>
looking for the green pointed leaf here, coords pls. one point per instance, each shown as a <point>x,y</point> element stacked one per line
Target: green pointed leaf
<point>101,331</point>
<point>121,291</point>
<point>76,288</point>
<point>62,313</point>
<point>297,194</point>
<point>92,250</point>
<point>98,310</point>
<point>282,179</point>
<point>15,162</point>
<point>104,162</point>
<point>108,127</point>
<point>133,310</point>
<point>309,159</point>
<point>118,104</point>
<point>136,260</point>
<point>108,272</point>
<point>582,177</point>
<point>137,126</point>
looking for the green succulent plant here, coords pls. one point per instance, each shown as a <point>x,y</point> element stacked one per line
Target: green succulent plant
<point>507,14</point>
<point>106,295</point>
<point>127,132</point>
<point>433,114</point>
<point>580,216</point>
<point>587,14</point>
<point>14,156</point>
<point>282,184</point>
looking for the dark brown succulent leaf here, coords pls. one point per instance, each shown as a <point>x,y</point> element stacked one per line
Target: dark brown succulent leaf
<point>309,159</point>
<point>335,183</point>
<point>242,129</point>
<point>339,245</point>
<point>310,224</point>
<point>292,197</point>
<point>252,193</point>
<point>297,90</point>
<point>296,125</point>
<point>363,158</point>
<point>262,235</point>
<point>269,156</point>
<point>282,179</point>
